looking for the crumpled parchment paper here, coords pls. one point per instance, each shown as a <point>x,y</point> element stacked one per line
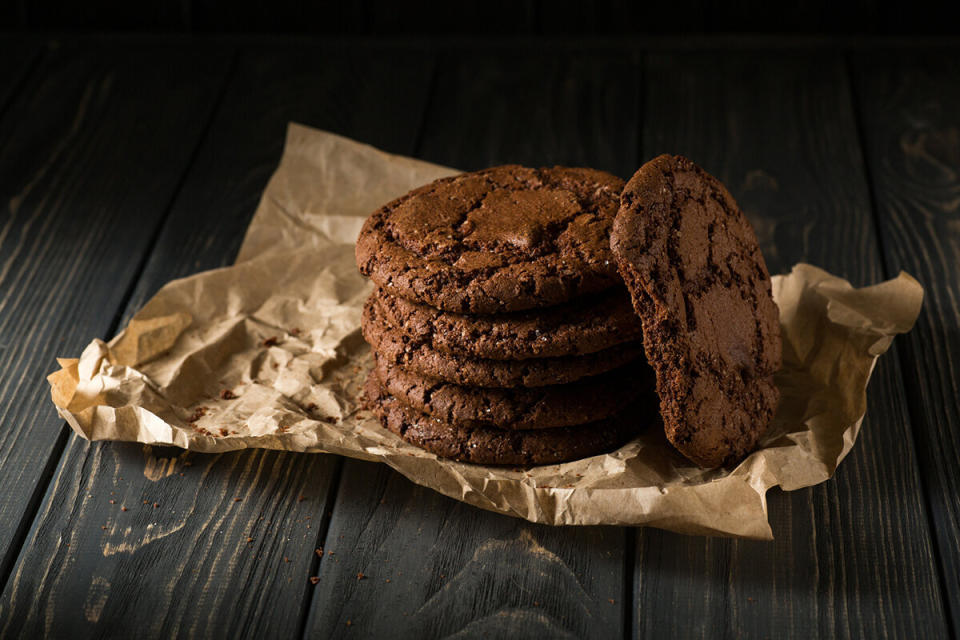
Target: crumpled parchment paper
<point>268,353</point>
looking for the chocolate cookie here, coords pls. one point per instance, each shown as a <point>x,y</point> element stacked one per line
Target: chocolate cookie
<point>711,329</point>
<point>417,356</point>
<point>564,405</point>
<point>502,239</point>
<point>496,446</point>
<point>577,327</point>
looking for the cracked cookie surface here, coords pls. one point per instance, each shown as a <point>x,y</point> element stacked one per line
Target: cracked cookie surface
<point>503,239</point>
<point>496,446</point>
<point>702,290</point>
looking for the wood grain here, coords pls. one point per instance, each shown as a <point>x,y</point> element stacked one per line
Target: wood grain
<point>852,557</point>
<point>454,570</point>
<point>91,151</point>
<point>404,561</point>
<point>229,550</point>
<point>910,105</point>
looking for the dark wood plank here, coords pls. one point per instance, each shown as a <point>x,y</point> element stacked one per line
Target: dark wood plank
<point>91,152</point>
<point>106,15</point>
<point>622,17</point>
<point>852,557</point>
<point>230,548</point>
<point>16,56</point>
<point>436,567</point>
<point>422,17</point>
<point>910,105</point>
<point>280,16</point>
<point>10,15</point>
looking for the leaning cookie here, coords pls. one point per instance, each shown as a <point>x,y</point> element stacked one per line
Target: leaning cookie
<point>584,325</point>
<point>397,348</point>
<point>502,239</point>
<point>495,446</point>
<point>586,400</point>
<point>701,288</point>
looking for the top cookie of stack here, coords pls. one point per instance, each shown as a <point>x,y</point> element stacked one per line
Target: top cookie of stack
<point>501,278</point>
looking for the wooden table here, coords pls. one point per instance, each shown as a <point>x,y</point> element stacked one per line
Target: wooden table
<point>126,162</point>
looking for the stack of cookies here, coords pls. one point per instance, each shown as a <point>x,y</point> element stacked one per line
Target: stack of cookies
<point>517,310</point>
<point>502,331</point>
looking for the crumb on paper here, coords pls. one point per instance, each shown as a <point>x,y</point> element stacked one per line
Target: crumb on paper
<point>228,394</point>
<point>271,341</point>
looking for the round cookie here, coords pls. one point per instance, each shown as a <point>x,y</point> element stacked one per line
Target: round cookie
<point>503,239</point>
<point>495,446</point>
<point>701,288</point>
<point>417,356</point>
<point>580,402</point>
<point>577,327</point>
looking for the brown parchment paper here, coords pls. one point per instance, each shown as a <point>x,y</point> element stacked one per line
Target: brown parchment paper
<point>268,353</point>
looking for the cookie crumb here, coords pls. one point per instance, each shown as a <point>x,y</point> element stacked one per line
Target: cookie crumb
<point>314,579</point>
<point>227,394</point>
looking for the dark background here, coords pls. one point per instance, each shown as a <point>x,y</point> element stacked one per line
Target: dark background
<point>491,17</point>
